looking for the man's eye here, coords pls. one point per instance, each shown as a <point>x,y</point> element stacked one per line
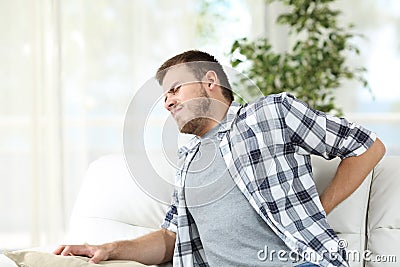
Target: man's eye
<point>173,91</point>
<point>176,89</point>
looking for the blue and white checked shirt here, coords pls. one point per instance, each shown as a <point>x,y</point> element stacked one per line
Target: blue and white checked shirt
<point>266,146</point>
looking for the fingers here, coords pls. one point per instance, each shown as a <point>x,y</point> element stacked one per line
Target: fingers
<point>99,255</point>
<point>81,250</point>
<point>96,259</point>
<point>63,250</point>
<point>58,250</point>
<point>95,253</point>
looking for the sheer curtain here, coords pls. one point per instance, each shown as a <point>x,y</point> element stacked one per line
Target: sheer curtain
<point>69,70</point>
<point>46,123</point>
<point>31,137</point>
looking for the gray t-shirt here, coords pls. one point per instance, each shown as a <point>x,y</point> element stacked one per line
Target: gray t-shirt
<point>231,231</point>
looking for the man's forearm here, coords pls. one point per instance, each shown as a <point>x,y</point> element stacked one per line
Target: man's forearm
<point>350,174</point>
<point>154,248</point>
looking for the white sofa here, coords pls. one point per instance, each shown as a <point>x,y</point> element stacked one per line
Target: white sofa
<point>110,206</point>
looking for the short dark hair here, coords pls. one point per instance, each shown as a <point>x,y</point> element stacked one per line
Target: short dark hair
<point>204,63</point>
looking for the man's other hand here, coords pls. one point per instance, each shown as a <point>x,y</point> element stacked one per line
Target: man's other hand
<point>95,253</point>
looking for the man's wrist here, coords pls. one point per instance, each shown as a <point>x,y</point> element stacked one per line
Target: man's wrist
<point>111,250</point>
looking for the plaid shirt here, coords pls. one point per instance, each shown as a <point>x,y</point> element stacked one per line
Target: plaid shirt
<point>266,146</point>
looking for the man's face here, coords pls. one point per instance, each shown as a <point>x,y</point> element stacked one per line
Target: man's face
<point>187,100</point>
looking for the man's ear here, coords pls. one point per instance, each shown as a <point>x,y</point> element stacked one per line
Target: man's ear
<point>211,79</point>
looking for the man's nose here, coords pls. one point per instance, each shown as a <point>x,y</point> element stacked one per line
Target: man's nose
<point>170,102</point>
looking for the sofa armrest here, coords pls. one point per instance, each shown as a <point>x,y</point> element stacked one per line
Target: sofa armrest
<point>111,206</point>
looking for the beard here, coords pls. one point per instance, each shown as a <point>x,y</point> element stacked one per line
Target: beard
<point>198,110</point>
<point>195,126</point>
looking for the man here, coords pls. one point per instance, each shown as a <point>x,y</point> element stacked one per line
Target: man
<point>245,180</point>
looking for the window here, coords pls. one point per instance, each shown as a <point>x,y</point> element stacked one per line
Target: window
<point>379,22</point>
<point>69,70</point>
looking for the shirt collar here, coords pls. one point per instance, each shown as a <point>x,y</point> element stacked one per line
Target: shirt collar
<point>230,117</point>
<point>192,144</point>
<point>225,125</point>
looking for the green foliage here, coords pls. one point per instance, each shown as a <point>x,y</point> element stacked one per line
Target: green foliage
<point>314,67</point>
<point>207,14</point>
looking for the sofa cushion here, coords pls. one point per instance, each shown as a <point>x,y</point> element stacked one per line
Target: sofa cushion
<point>6,261</point>
<point>43,259</point>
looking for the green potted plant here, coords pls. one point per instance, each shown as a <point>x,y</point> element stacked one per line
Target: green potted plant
<point>313,67</point>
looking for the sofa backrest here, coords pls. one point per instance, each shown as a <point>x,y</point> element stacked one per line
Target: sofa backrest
<point>383,220</point>
<point>349,218</point>
<point>368,220</point>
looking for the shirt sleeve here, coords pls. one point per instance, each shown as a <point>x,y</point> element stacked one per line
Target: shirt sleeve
<point>318,133</point>
<point>171,218</point>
